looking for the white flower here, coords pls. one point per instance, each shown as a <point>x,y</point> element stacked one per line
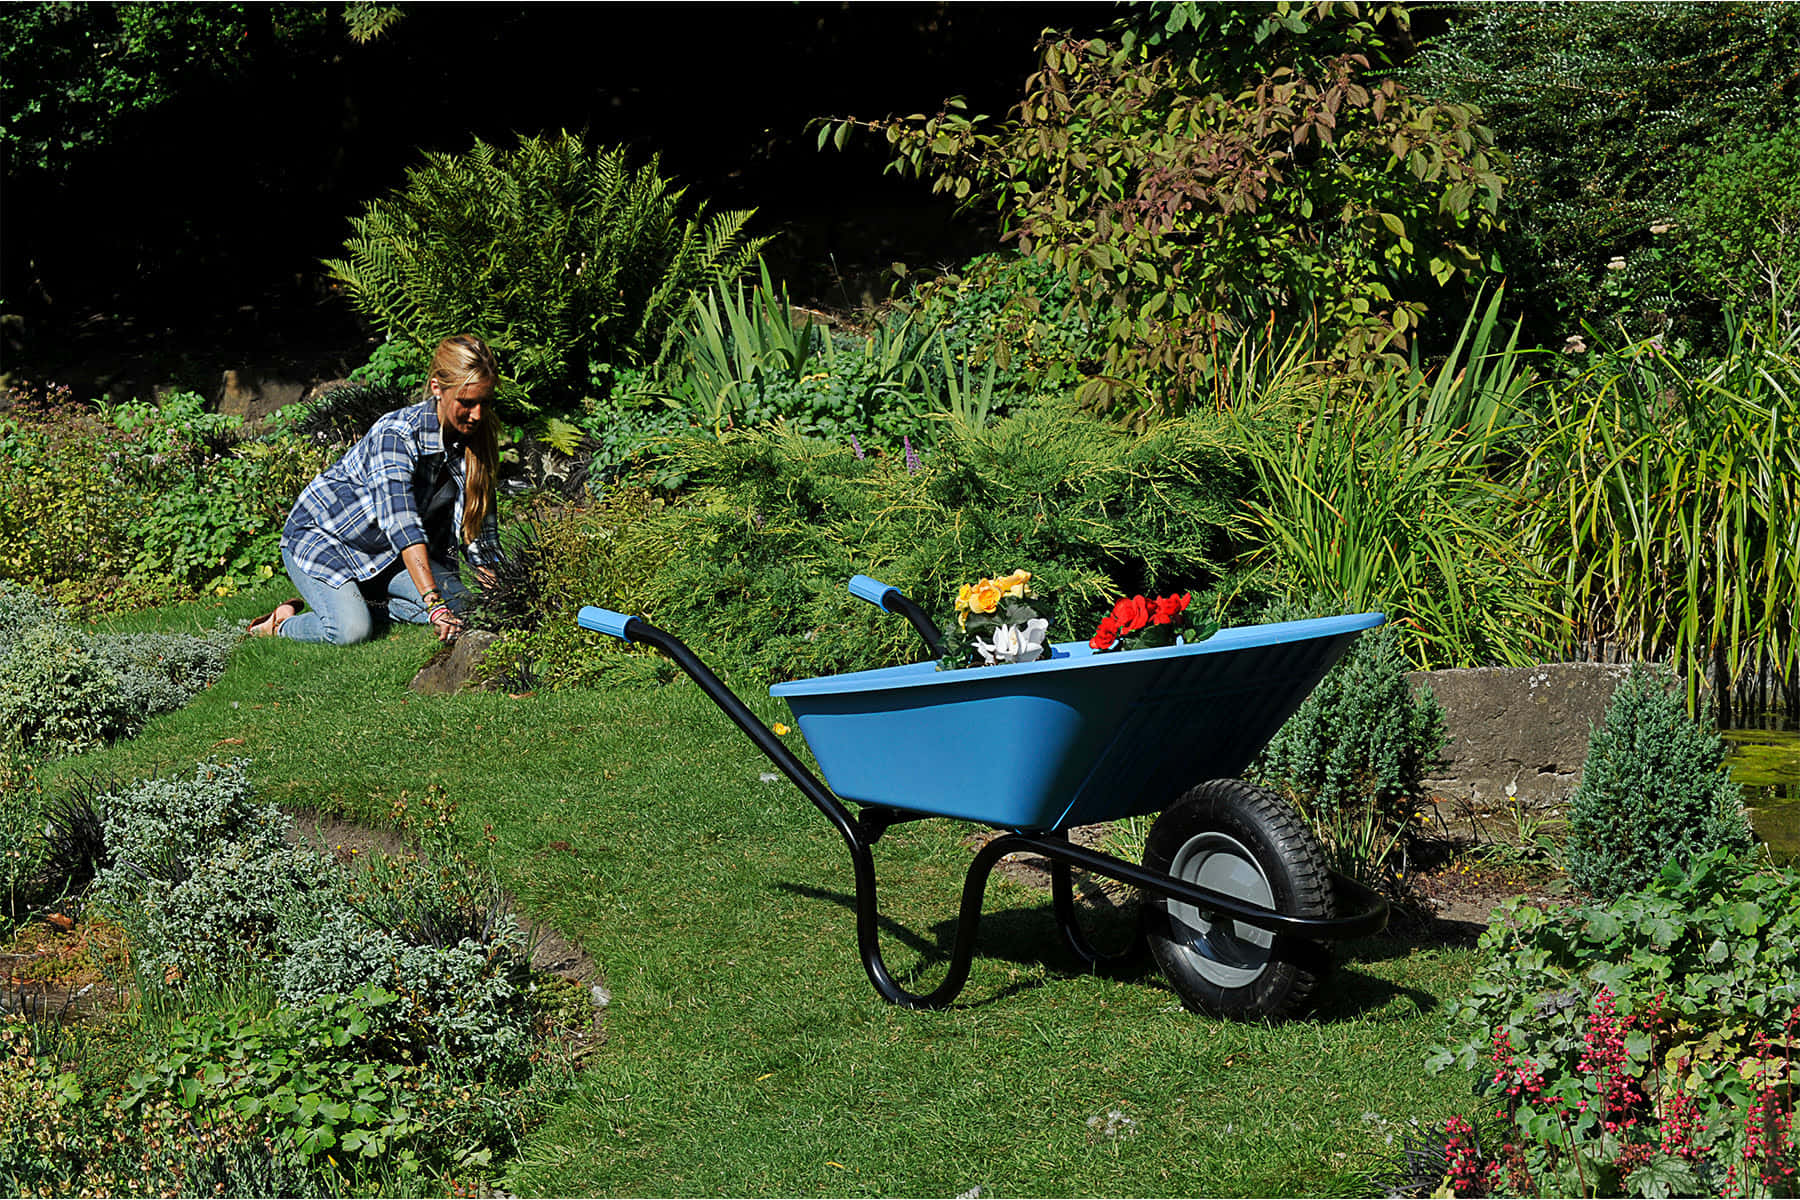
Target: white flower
<point>1015,643</point>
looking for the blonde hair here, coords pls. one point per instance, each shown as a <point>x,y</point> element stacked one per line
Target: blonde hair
<point>458,362</point>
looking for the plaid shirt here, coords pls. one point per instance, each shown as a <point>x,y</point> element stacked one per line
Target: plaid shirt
<point>354,519</point>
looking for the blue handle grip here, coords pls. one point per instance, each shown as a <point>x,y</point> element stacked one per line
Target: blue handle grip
<point>872,590</point>
<point>603,620</point>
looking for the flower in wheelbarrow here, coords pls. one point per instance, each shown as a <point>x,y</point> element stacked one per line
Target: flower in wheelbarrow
<point>1015,643</point>
<point>1167,608</point>
<point>1014,586</point>
<point>985,596</point>
<point>1106,635</point>
<point>1132,614</point>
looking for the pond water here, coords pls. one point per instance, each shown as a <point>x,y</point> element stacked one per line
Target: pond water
<point>1765,760</point>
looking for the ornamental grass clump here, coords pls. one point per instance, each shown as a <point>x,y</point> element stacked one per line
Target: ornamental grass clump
<point>1654,790</point>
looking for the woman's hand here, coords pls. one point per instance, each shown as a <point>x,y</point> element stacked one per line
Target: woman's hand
<point>445,622</point>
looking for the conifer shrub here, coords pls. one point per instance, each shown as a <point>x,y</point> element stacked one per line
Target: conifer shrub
<point>1353,757</point>
<point>1654,790</point>
<point>749,563</point>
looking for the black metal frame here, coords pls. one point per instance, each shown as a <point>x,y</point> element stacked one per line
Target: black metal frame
<point>1294,935</point>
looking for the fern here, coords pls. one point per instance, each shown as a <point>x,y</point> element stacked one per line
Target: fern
<point>562,256</point>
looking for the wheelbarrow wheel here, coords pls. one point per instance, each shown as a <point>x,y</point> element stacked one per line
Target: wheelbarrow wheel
<point>1247,843</point>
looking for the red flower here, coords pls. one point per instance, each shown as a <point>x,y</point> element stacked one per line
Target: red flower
<point>1132,615</point>
<point>1167,608</point>
<point>1106,635</point>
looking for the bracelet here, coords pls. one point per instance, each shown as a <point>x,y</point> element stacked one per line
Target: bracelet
<point>440,609</point>
<point>432,597</point>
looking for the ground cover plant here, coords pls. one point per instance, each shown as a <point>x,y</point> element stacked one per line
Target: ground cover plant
<point>749,561</point>
<point>745,1051</point>
<point>288,1021</point>
<point>1645,1045</point>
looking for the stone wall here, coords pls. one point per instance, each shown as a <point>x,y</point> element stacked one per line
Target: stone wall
<point>1526,727</point>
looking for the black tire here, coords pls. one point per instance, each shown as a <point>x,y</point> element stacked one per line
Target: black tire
<point>1248,843</point>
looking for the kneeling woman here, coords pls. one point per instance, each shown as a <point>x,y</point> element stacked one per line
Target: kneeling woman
<point>386,520</point>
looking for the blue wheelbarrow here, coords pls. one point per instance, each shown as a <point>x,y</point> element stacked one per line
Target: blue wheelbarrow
<point>1238,901</point>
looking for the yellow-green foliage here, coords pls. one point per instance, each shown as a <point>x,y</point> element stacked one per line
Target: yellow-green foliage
<point>750,565</point>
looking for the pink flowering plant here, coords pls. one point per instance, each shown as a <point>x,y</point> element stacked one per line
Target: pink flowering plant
<point>1646,1047</point>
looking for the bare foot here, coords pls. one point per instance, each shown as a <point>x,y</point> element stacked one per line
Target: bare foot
<point>270,625</point>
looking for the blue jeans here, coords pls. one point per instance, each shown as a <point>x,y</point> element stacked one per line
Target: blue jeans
<point>342,616</point>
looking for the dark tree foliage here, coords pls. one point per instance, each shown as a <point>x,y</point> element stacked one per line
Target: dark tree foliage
<point>77,73</point>
<point>1609,111</point>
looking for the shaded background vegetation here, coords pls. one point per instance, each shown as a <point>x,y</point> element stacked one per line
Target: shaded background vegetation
<point>190,174</point>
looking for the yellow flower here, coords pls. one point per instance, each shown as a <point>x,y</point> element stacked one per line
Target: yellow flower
<point>780,729</point>
<point>984,597</point>
<point>962,598</point>
<point>1014,585</point>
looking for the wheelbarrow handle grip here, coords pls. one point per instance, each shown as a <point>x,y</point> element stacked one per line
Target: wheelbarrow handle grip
<point>872,590</point>
<point>604,620</point>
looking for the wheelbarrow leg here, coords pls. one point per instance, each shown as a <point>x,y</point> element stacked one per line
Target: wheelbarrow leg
<point>968,922</point>
<point>1062,902</point>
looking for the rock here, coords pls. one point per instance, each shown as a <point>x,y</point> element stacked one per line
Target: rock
<point>245,394</point>
<point>1522,727</point>
<point>455,667</point>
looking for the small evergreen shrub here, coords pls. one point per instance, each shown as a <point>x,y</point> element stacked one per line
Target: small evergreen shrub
<point>1354,755</point>
<point>1654,790</point>
<point>59,696</point>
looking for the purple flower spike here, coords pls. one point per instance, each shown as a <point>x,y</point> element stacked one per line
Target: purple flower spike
<point>856,446</point>
<point>912,456</point>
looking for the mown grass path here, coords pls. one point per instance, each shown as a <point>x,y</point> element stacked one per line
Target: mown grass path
<point>745,1051</point>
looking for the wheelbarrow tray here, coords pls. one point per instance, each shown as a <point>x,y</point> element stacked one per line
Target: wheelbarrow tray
<point>1068,740</point>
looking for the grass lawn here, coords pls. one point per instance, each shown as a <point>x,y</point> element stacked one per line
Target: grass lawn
<point>745,1051</point>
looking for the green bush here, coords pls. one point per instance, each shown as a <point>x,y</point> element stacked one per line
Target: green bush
<point>1015,313</point>
<point>59,696</point>
<point>1206,170</point>
<point>1644,1046</point>
<point>1654,790</point>
<point>65,690</point>
<point>462,1007</point>
<point>1353,757</point>
<point>562,256</point>
<point>1742,218</point>
<point>204,880</point>
<point>427,928</point>
<point>749,565</point>
<point>1609,112</point>
<point>106,508</point>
